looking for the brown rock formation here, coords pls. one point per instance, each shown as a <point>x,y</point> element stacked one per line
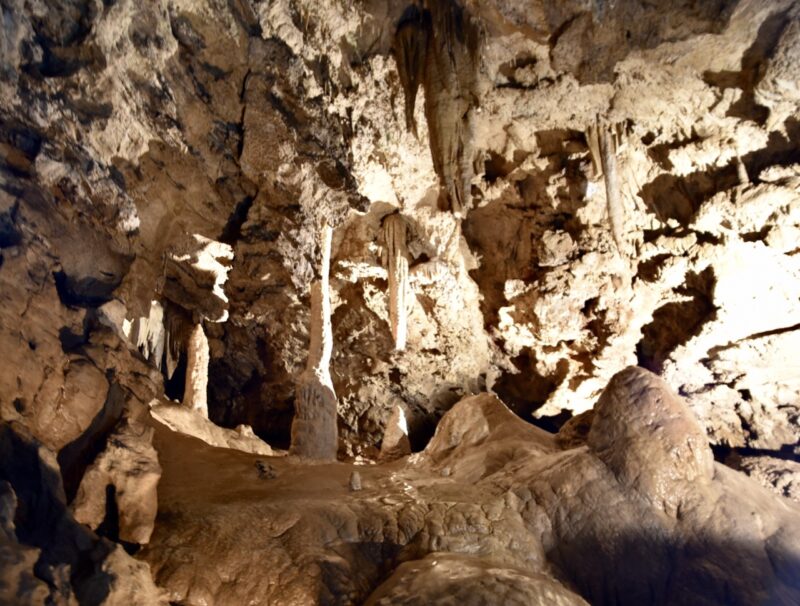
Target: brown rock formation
<point>437,45</point>
<point>165,170</point>
<point>127,473</point>
<point>395,435</point>
<point>314,431</point>
<point>495,503</point>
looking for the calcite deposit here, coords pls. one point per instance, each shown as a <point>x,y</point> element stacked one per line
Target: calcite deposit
<point>424,302</point>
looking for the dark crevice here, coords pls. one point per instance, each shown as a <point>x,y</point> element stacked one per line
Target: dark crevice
<point>526,391</point>
<point>660,153</point>
<point>85,291</point>
<point>10,234</point>
<point>75,457</point>
<point>730,456</point>
<point>650,270</point>
<point>780,150</point>
<point>109,527</point>
<point>552,423</point>
<point>233,228</point>
<point>421,427</point>
<point>175,385</point>
<point>678,197</point>
<point>72,342</point>
<point>675,323</point>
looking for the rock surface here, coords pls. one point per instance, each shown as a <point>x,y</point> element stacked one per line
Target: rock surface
<point>186,421</point>
<point>53,558</point>
<point>123,478</point>
<point>513,516</point>
<point>522,200</point>
<point>461,579</point>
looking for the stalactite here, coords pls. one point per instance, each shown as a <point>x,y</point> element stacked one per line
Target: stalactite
<point>394,231</point>
<point>439,47</point>
<point>178,328</point>
<point>147,333</point>
<point>195,395</point>
<point>314,429</point>
<point>604,141</point>
<point>410,45</point>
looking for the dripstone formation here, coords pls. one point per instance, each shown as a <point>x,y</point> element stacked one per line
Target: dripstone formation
<point>372,302</point>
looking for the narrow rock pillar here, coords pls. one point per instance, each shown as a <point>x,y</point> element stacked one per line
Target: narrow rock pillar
<point>741,171</point>
<point>395,436</point>
<point>604,140</point>
<point>616,214</point>
<point>314,430</point>
<point>195,395</point>
<point>394,231</point>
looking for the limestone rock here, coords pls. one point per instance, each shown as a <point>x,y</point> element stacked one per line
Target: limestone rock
<point>195,395</point>
<point>575,432</point>
<point>18,583</point>
<point>512,510</point>
<point>123,478</point>
<point>395,436</point>
<point>778,88</point>
<point>109,574</point>
<point>149,150</point>
<point>186,421</point>
<point>649,439</point>
<point>782,476</point>
<point>444,578</point>
<point>195,275</point>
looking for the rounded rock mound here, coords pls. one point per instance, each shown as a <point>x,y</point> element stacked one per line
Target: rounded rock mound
<point>649,438</point>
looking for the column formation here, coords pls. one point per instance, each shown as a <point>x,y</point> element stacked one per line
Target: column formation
<point>314,428</point>
<point>394,232</point>
<point>195,394</point>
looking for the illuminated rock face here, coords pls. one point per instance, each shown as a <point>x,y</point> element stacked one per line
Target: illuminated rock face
<point>395,436</point>
<point>528,197</point>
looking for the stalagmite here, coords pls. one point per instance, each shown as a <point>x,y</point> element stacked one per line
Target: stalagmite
<point>741,171</point>
<point>604,141</point>
<point>195,394</point>
<point>355,481</point>
<point>314,431</point>
<point>394,232</point>
<point>395,435</point>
